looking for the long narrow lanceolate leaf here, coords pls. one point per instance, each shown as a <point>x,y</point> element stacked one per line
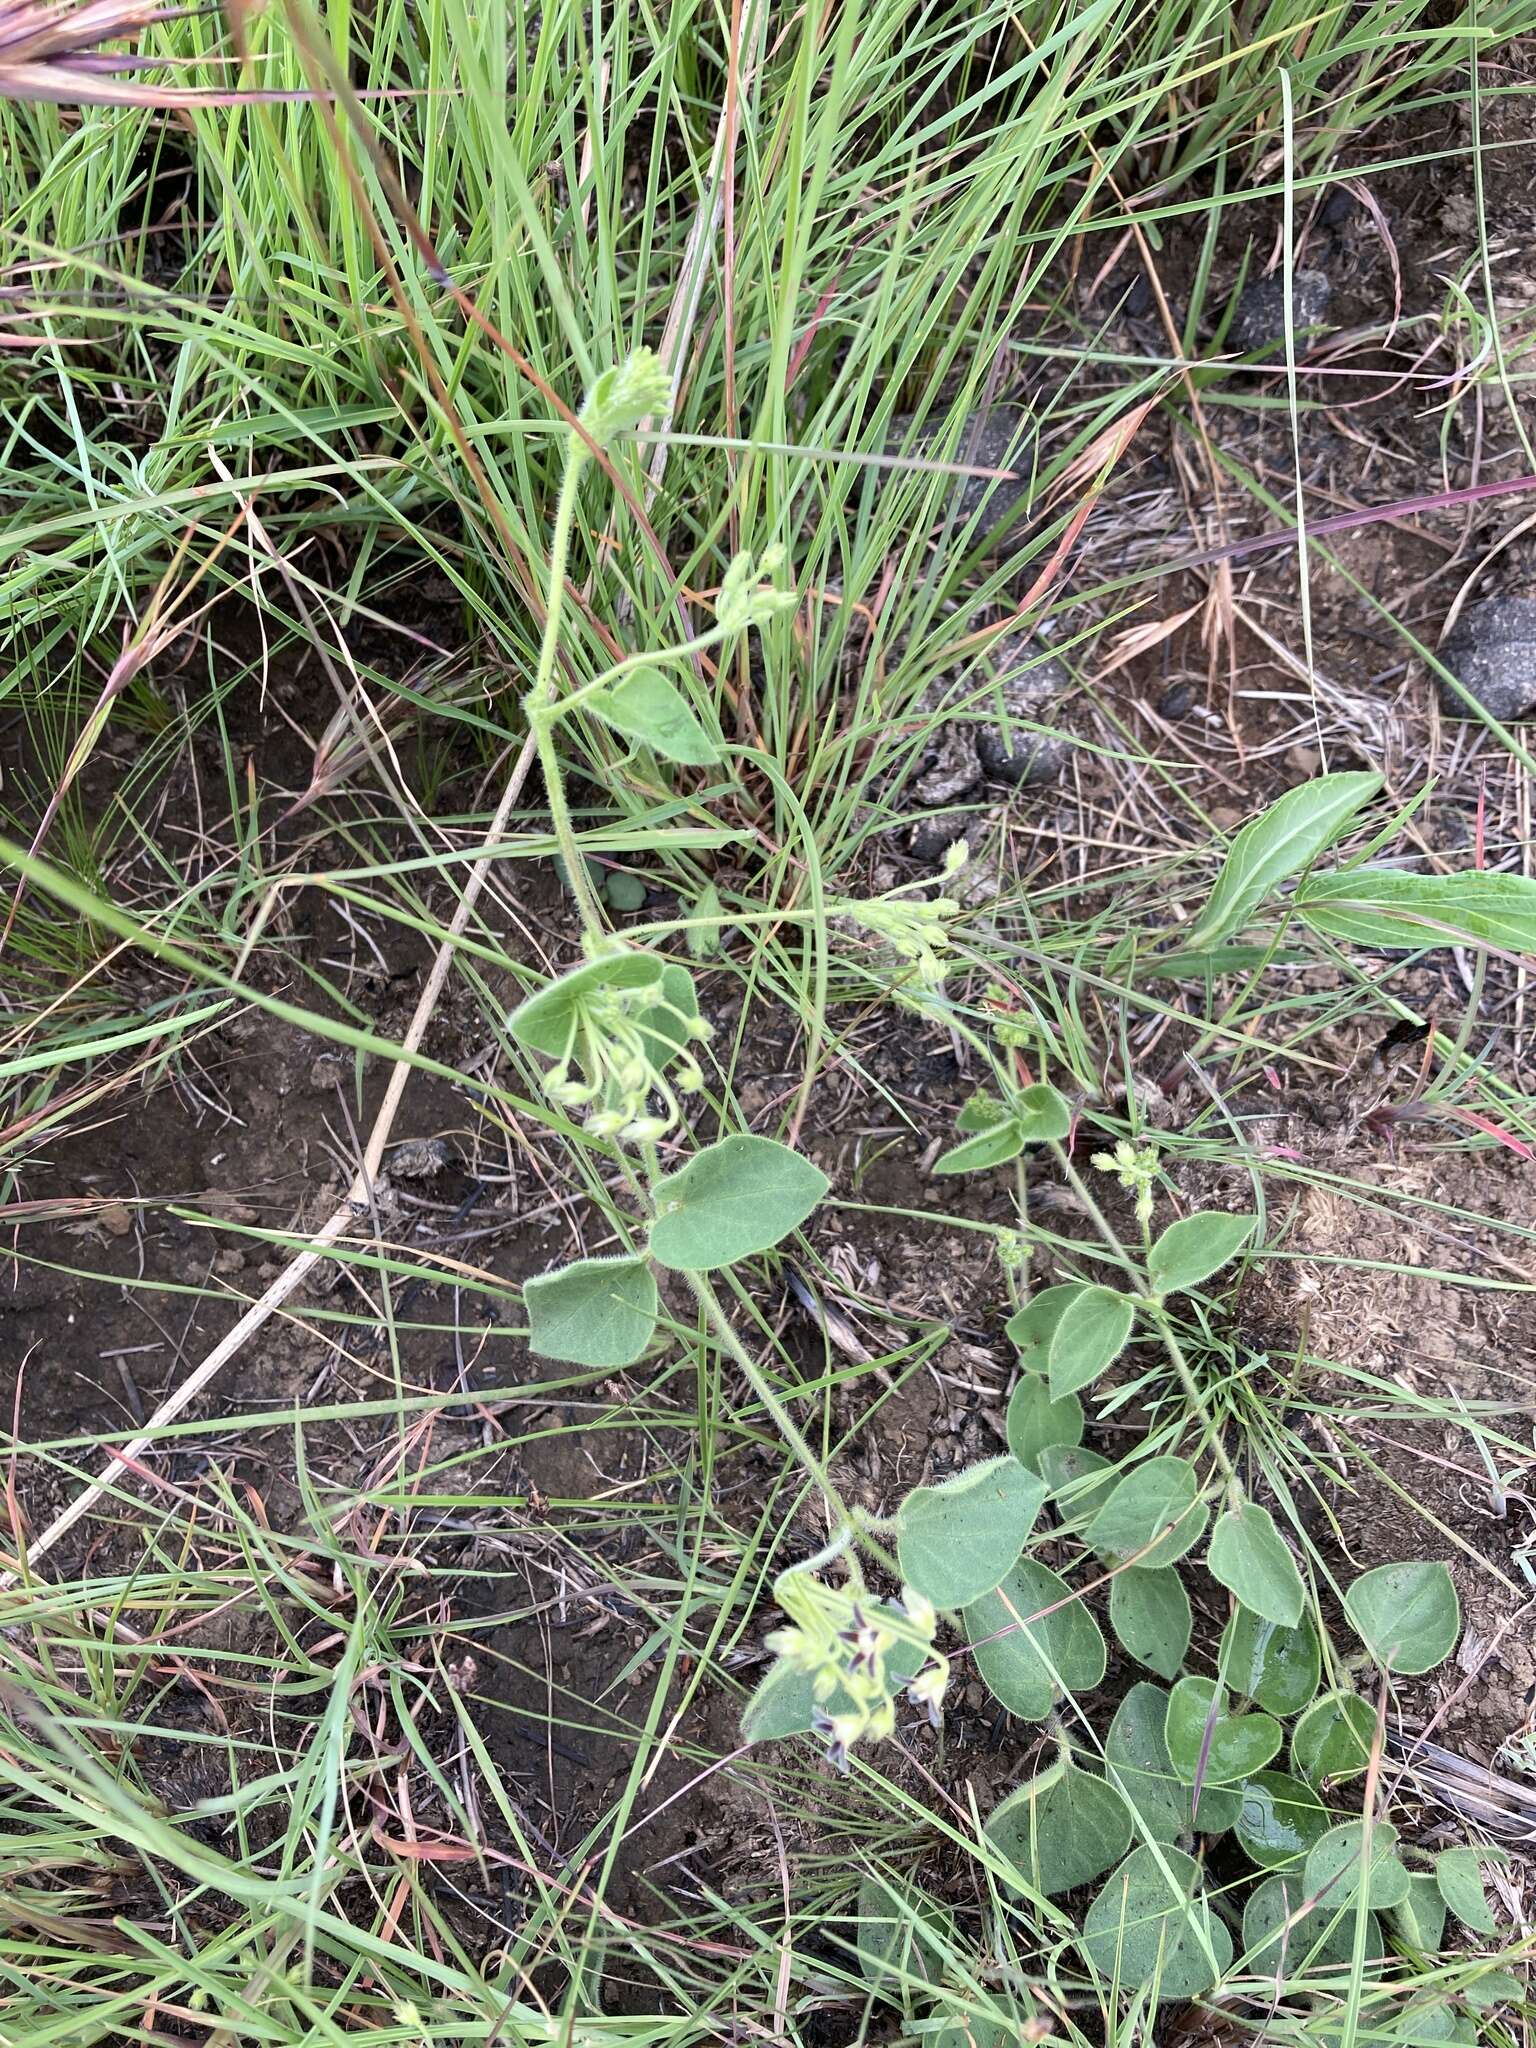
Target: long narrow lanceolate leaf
<point>1383,907</point>
<point>1271,848</point>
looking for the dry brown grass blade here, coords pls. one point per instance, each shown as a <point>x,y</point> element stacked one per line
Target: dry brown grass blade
<point>59,54</point>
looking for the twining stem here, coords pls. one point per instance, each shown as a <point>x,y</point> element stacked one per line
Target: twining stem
<point>1153,1308</point>
<point>542,696</point>
<point>1196,1400</point>
<point>715,1315</point>
<point>757,1380</point>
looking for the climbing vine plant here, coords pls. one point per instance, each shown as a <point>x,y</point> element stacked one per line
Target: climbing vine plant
<point>1268,1749</point>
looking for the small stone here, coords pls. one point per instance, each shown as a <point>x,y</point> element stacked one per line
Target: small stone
<point>931,838</point>
<point>421,1158</point>
<point>1259,322</point>
<point>1491,649</point>
<point>951,769</point>
<point>1177,702</point>
<point>995,438</point>
<point>1029,678</point>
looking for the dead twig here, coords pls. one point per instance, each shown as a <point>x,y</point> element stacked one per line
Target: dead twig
<point>358,1200</point>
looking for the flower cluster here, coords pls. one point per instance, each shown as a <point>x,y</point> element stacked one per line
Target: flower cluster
<point>626,394</point>
<point>1135,1167</point>
<point>748,595</point>
<point>914,931</point>
<point>847,1644</point>
<point>618,1029</point>
<point>622,1039</point>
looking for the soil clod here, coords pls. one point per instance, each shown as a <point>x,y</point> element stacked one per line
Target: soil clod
<point>1259,322</point>
<point>1492,650</point>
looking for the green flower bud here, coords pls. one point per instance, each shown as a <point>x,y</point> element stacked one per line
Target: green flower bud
<point>625,395</point>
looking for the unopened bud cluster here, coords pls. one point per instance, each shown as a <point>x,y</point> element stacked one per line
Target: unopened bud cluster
<point>844,1641</point>
<point>916,930</point>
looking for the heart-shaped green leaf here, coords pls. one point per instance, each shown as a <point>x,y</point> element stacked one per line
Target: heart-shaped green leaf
<point>734,1198</point>
<point>1494,1987</point>
<point>1091,1335</point>
<point>1458,1873</point>
<point>622,891</point>
<point>1152,1517</point>
<point>1278,1945</point>
<point>644,705</point>
<point>1420,1919</point>
<point>1042,1113</point>
<point>1248,1556</point>
<point>1200,1727</point>
<point>1152,1928</point>
<point>1407,1615</point>
<point>1063,1829</point>
<point>1280,1819</point>
<point>1036,1423</point>
<point>599,1312</point>
<point>1031,1328</point>
<point>1080,1481</point>
<point>994,1146</point>
<point>1149,1613</point>
<point>1277,1667</point>
<point>546,1021</point>
<point>1335,1863</point>
<point>1332,1740</point>
<point>1136,1763</point>
<point>1430,2023</point>
<point>903,1940</point>
<point>1192,1250</point>
<point>958,1540</point>
<point>1034,1640</point>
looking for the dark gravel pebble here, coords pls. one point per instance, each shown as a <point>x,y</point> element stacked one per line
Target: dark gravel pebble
<point>1260,318</point>
<point>1029,679</point>
<point>931,838</point>
<point>1492,649</point>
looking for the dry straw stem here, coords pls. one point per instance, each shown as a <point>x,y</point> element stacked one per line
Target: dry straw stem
<point>57,54</point>
<point>358,1200</point>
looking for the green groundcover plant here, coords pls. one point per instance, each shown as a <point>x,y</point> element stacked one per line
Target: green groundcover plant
<point>1268,1750</point>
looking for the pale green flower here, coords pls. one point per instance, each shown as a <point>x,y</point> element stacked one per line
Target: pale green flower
<point>1136,1170</point>
<point>626,394</point>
